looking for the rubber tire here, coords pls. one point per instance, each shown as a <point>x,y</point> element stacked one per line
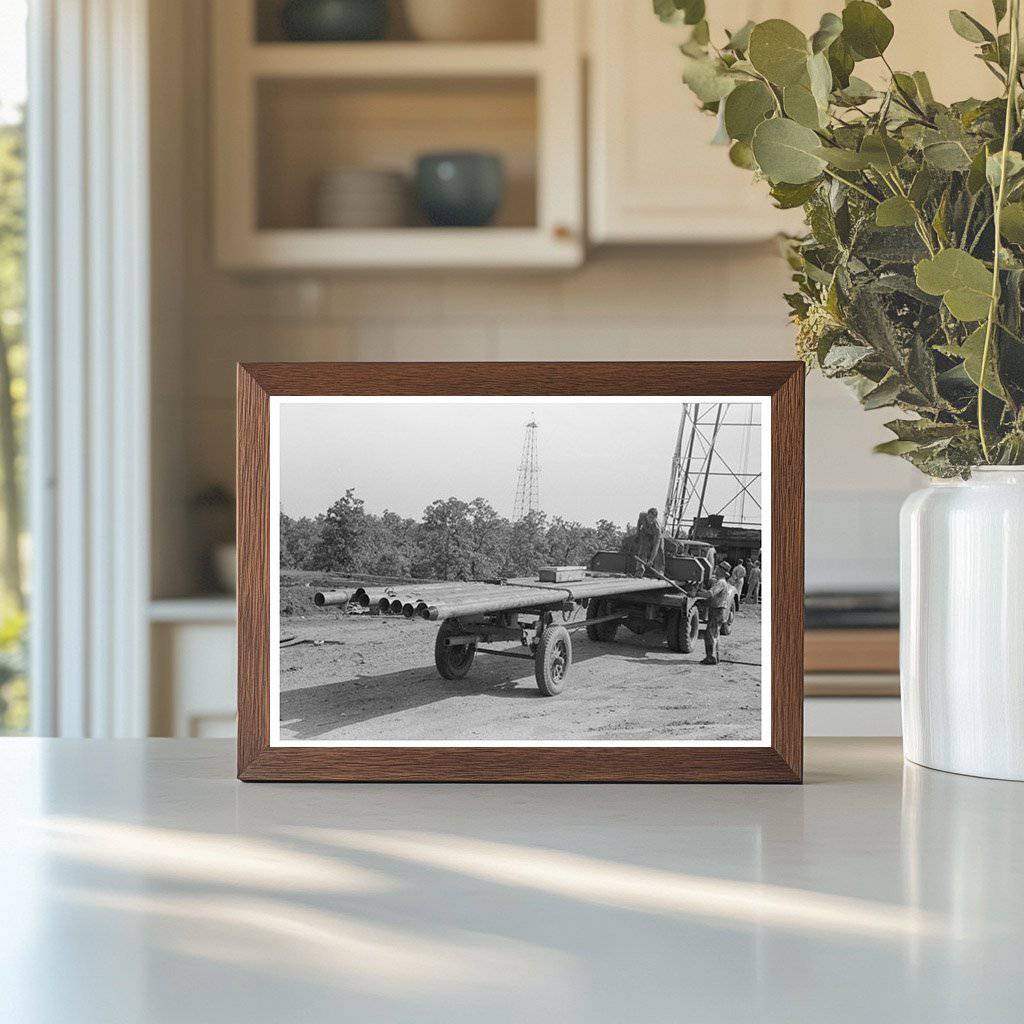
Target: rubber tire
<point>603,632</point>
<point>452,662</point>
<point>553,659</point>
<point>689,631</point>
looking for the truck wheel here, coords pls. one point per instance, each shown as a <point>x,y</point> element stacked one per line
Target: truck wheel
<point>453,661</point>
<point>603,632</point>
<point>690,630</point>
<point>552,661</point>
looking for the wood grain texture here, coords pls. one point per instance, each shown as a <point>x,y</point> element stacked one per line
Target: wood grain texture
<point>852,650</point>
<point>779,762</point>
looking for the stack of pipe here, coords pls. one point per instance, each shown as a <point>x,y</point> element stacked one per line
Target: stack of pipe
<point>449,600</point>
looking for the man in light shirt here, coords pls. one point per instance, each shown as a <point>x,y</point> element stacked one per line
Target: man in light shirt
<point>717,596</point>
<point>739,574</point>
<point>754,583</point>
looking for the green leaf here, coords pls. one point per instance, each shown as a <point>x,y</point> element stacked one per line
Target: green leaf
<point>895,212</point>
<point>924,88</point>
<point>866,29</point>
<point>841,63</point>
<point>947,156</point>
<point>739,41</point>
<point>745,108</point>
<point>690,12</point>
<point>844,159</point>
<point>741,155</point>
<point>969,28</point>
<point>788,196</point>
<point>963,281</point>
<point>922,185</point>
<point>885,394</point>
<point>993,167</point>
<point>939,220</point>
<point>895,447</point>
<point>829,30</point>
<point>707,78</point>
<point>665,10</point>
<point>856,92</point>
<point>976,173</point>
<point>787,152</point>
<point>779,51</point>
<point>923,431</point>
<point>801,106</point>
<point>819,74</point>
<point>883,152</point>
<point>701,34</point>
<point>1012,224</point>
<point>971,351</point>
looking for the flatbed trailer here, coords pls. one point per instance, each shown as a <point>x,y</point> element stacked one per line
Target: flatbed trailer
<point>539,617</point>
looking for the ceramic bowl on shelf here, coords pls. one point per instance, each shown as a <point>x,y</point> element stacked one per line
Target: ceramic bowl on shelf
<point>460,189</point>
<point>470,20</point>
<point>334,21</point>
<point>362,197</point>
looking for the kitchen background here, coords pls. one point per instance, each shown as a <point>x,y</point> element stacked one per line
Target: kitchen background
<point>629,237</point>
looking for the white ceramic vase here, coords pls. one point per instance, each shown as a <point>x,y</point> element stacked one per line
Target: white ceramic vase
<point>962,624</point>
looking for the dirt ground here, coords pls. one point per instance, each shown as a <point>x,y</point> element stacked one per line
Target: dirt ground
<point>367,677</point>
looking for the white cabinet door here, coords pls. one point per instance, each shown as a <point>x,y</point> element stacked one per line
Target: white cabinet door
<point>654,177</point>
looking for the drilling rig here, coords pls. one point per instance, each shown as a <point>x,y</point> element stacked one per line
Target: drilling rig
<point>714,490</point>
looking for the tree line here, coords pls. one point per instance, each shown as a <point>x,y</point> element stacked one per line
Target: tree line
<point>454,540</point>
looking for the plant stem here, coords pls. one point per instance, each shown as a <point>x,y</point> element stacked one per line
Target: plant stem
<point>853,185</point>
<point>1011,108</point>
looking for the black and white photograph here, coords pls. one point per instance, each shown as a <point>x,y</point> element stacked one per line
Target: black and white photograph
<point>466,571</point>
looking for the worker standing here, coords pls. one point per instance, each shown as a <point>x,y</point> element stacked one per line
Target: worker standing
<point>652,543</point>
<point>754,582</point>
<point>739,574</point>
<point>717,597</point>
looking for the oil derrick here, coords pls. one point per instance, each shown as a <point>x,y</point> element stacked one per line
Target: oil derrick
<point>528,479</point>
<point>716,467</point>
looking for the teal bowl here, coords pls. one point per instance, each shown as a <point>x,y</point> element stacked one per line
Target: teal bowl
<point>334,21</point>
<point>460,190</point>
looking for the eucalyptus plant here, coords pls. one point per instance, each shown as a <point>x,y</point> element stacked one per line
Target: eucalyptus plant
<point>910,277</point>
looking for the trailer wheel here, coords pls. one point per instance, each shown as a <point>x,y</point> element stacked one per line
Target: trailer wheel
<point>603,632</point>
<point>453,661</point>
<point>552,661</point>
<point>683,630</point>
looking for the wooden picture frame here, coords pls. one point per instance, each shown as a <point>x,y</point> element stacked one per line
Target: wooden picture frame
<point>779,759</point>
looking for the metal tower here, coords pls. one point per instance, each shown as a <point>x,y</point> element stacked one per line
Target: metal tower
<point>528,481</point>
<point>716,468</point>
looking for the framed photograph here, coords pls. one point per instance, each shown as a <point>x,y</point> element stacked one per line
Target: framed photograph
<point>578,572</point>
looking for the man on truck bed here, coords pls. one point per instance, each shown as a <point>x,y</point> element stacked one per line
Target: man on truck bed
<point>652,544</point>
<point>717,597</point>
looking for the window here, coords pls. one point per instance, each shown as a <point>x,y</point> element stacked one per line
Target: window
<point>14,692</point>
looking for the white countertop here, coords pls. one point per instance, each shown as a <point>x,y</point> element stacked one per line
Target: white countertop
<point>140,882</point>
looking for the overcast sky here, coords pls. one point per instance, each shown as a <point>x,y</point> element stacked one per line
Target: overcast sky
<point>597,460</point>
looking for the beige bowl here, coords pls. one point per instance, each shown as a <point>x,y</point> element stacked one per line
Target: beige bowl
<point>471,20</point>
<point>362,198</point>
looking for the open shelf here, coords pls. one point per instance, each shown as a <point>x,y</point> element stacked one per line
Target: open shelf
<point>286,114</point>
<point>520,22</point>
<point>393,60</point>
<point>309,127</point>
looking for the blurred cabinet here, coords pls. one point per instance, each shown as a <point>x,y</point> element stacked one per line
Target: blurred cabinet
<point>192,649</point>
<point>653,177</point>
<point>286,114</point>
